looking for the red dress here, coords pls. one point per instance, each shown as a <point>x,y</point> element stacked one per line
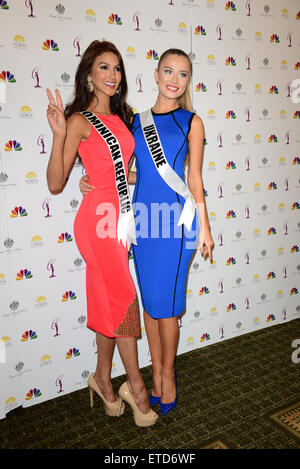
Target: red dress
<point>112,307</point>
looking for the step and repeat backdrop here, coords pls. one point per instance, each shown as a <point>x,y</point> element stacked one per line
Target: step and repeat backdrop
<point>246,89</point>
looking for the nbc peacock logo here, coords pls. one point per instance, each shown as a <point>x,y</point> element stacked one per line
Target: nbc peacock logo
<point>3,5</point>
<point>230,61</point>
<point>230,214</point>
<point>230,115</point>
<point>230,6</point>
<point>297,66</point>
<point>273,90</point>
<point>7,77</point>
<point>294,291</point>
<point>272,186</point>
<point>271,275</point>
<point>272,139</point>
<point>296,115</point>
<point>68,296</point>
<point>12,145</point>
<point>231,307</point>
<point>24,274</point>
<point>230,165</point>
<point>231,261</point>
<point>274,39</point>
<point>204,337</point>
<point>270,318</point>
<point>298,15</point>
<point>64,238</point>
<point>51,45</point>
<point>296,160</point>
<point>295,206</point>
<point>72,352</point>
<point>28,335</point>
<point>271,231</point>
<point>33,393</point>
<point>294,248</point>
<point>18,212</point>
<point>199,30</point>
<point>152,55</point>
<point>114,19</point>
<point>203,291</point>
<point>200,87</point>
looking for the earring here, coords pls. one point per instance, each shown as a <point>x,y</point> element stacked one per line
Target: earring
<point>90,84</point>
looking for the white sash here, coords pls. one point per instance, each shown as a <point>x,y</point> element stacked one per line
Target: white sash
<point>166,172</point>
<point>126,224</point>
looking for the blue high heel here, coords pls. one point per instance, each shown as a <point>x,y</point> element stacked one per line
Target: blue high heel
<point>166,408</point>
<point>153,400</point>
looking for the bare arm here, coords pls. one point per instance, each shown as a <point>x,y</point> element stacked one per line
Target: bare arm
<point>131,174</point>
<point>195,183</point>
<point>66,139</point>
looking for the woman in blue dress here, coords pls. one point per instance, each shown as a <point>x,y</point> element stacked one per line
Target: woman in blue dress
<point>170,214</point>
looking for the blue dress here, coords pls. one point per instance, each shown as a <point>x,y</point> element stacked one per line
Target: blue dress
<point>163,250</point>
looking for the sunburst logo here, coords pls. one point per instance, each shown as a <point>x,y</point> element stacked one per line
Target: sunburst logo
<point>271,231</point>
<point>28,335</point>
<point>64,238</point>
<point>73,352</point>
<point>230,165</point>
<point>230,61</point>
<point>272,139</point>
<point>152,54</point>
<point>18,212</point>
<point>273,90</point>
<point>274,39</point>
<point>272,186</point>
<point>230,214</point>
<point>295,206</point>
<point>231,261</point>
<point>50,44</point>
<point>68,295</point>
<point>114,19</point>
<point>32,394</point>
<point>12,145</point>
<point>271,275</point>
<point>230,115</point>
<point>200,30</point>
<point>231,307</point>
<point>204,337</point>
<point>203,291</point>
<point>7,76</point>
<point>230,6</point>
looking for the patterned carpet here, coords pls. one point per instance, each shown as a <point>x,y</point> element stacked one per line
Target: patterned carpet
<point>241,393</point>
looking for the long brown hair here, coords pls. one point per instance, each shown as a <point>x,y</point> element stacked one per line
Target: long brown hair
<point>83,96</point>
<point>185,100</point>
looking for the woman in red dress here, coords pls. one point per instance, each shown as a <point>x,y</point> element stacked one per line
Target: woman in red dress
<point>105,148</point>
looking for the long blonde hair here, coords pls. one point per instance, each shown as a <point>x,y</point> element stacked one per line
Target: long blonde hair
<point>185,100</point>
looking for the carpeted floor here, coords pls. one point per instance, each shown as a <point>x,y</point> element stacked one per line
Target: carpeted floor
<point>240,393</point>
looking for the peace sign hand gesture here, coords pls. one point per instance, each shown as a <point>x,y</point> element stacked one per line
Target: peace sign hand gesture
<point>55,114</point>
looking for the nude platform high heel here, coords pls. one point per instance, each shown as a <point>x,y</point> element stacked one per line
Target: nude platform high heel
<point>113,409</point>
<point>141,419</point>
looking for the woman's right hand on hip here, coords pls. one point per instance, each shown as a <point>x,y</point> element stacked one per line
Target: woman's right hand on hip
<point>84,186</point>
